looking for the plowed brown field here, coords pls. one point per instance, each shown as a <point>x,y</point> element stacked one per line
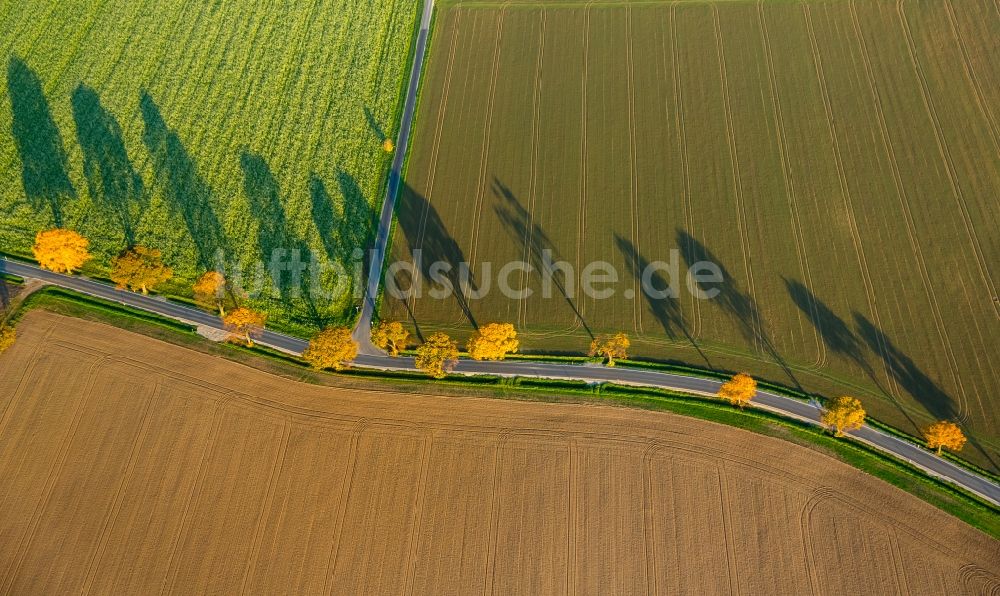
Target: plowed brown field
<point>128,465</point>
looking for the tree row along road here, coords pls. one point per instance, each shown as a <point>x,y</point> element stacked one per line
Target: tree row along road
<point>370,358</point>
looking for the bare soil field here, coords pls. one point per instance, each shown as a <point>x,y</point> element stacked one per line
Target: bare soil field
<point>838,160</point>
<point>133,466</point>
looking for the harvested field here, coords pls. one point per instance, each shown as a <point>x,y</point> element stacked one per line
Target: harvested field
<point>245,127</point>
<point>838,160</point>
<point>133,466</point>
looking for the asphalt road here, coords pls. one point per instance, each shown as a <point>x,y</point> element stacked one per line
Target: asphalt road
<point>362,333</point>
<point>594,374</point>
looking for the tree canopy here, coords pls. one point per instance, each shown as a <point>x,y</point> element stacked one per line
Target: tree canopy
<point>944,434</point>
<point>61,250</point>
<point>390,336</point>
<point>493,342</point>
<point>331,348</point>
<point>437,356</point>
<point>210,291</point>
<point>140,268</point>
<point>610,347</point>
<point>244,324</point>
<point>843,413</point>
<point>739,390</point>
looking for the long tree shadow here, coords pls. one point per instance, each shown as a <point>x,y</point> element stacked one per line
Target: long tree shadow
<point>39,143</point>
<point>739,305</point>
<point>288,256</point>
<point>111,179</point>
<point>374,125</point>
<point>667,309</point>
<point>185,190</point>
<point>425,230</point>
<point>836,334</point>
<point>519,226</point>
<point>914,381</point>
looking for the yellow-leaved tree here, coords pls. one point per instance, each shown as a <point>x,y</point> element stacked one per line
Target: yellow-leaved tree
<point>140,268</point>
<point>388,146</point>
<point>739,390</point>
<point>332,347</point>
<point>843,413</point>
<point>244,324</point>
<point>493,341</point>
<point>61,250</point>
<point>610,347</point>
<point>437,356</point>
<point>7,337</point>
<point>210,291</point>
<point>390,336</point>
<point>944,434</point>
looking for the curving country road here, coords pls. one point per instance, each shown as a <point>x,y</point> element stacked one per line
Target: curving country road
<point>370,358</point>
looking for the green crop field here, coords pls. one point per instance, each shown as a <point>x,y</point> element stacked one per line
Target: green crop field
<point>838,160</point>
<point>246,127</point>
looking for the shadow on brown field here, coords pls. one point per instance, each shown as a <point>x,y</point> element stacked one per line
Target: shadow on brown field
<point>520,228</point>
<point>739,305</point>
<point>425,230</point>
<point>913,380</point>
<point>666,309</point>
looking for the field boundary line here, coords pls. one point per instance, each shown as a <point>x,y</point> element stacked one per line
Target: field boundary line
<point>679,118</point>
<point>649,518</point>
<point>183,528</point>
<point>27,536</point>
<point>733,577</point>
<point>845,190</point>
<point>734,158</point>
<point>503,435</point>
<point>572,515</point>
<point>903,200</point>
<point>535,118</point>
<point>265,510</point>
<point>436,145</point>
<point>418,514</point>
<point>970,73</point>
<point>345,495</point>
<point>111,519</point>
<point>949,163</point>
<point>633,174</point>
<point>487,141</point>
<point>790,195</point>
<point>584,154</point>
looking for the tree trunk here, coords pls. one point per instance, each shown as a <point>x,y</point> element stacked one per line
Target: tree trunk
<point>143,288</point>
<point>939,449</point>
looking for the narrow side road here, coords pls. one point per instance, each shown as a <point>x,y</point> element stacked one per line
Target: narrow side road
<point>780,404</point>
<point>362,329</point>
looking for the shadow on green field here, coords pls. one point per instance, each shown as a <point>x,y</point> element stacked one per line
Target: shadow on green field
<point>374,125</point>
<point>111,179</point>
<point>39,143</point>
<point>348,234</point>
<point>521,229</point>
<point>185,190</point>
<point>424,230</point>
<point>732,300</point>
<point>287,256</point>
<point>666,308</point>
<point>914,381</point>
<point>836,334</point>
